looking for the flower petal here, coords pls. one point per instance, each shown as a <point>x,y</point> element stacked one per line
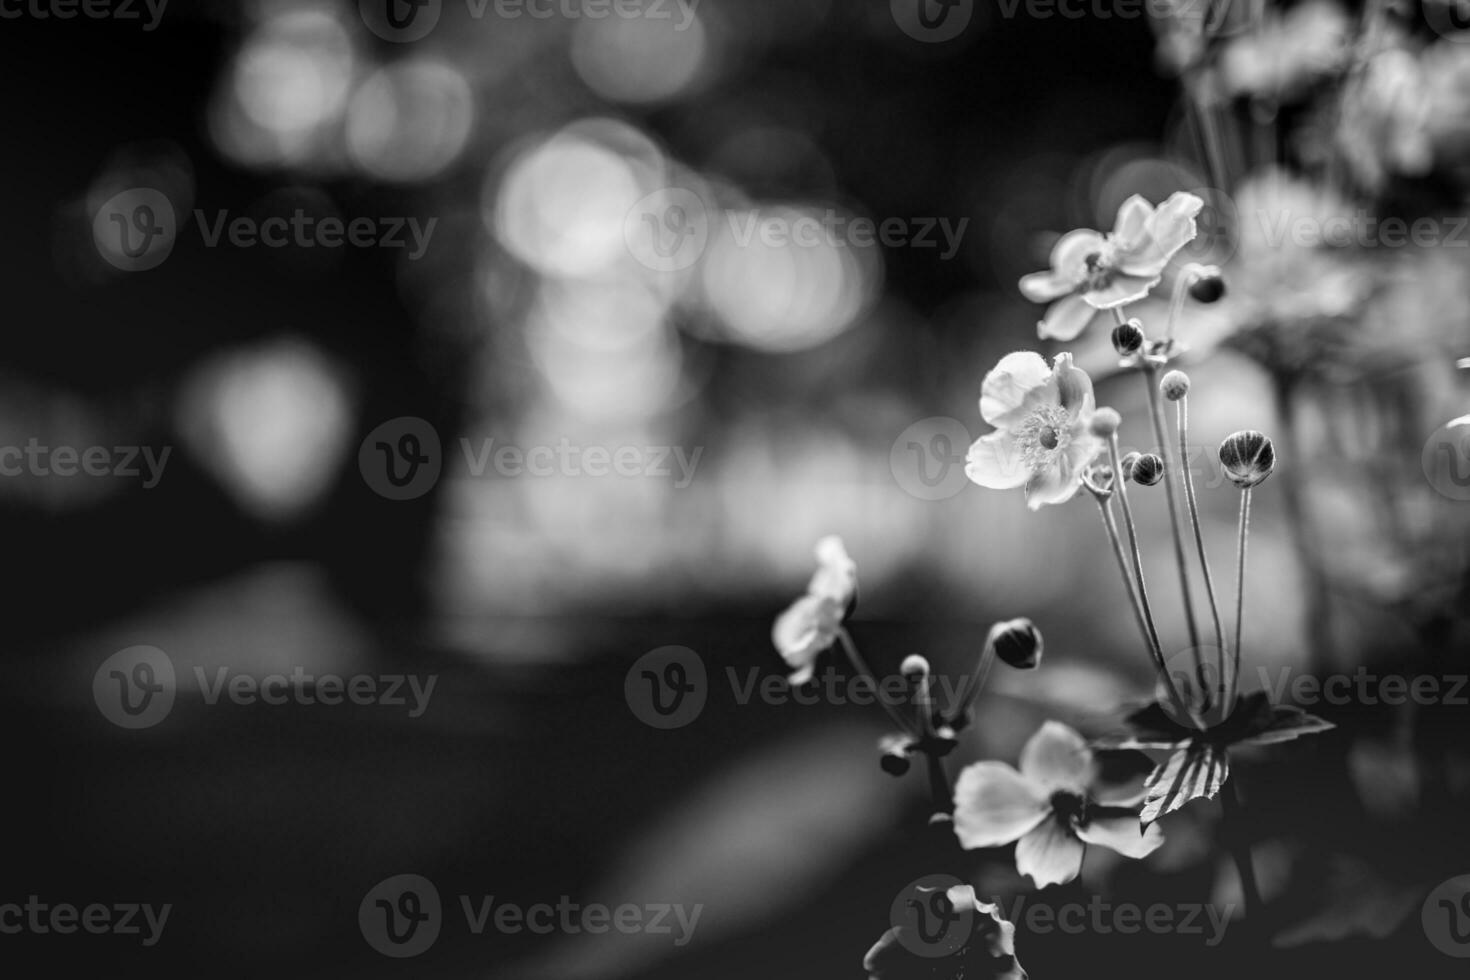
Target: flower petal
<point>836,574</point>
<point>1132,224</point>
<point>994,805</point>
<point>994,461</point>
<point>1170,228</point>
<point>1124,289</point>
<point>1127,793</point>
<point>1049,854</point>
<point>1053,484</point>
<point>1069,255</point>
<point>1011,388</point>
<point>804,630</point>
<point>1066,319</point>
<point>1074,387</point>
<point>1173,225</point>
<point>1057,758</point>
<point>1043,287</point>
<point>1122,834</point>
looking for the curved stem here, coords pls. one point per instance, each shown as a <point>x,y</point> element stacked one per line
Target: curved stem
<point>1240,849</point>
<point>1105,507</point>
<point>1156,648</point>
<point>973,685</point>
<point>939,785</point>
<point>861,666</point>
<point>1176,528</point>
<point>1186,278</point>
<point>1187,479</point>
<point>1245,519</point>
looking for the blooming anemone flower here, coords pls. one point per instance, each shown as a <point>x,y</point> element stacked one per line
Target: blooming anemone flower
<point>810,625</point>
<point>1054,806</point>
<point>987,953</point>
<point>1091,271</point>
<point>1041,439</point>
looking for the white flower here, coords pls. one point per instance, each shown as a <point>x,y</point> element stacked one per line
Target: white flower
<point>811,624</point>
<point>1091,271</point>
<point>1041,439</point>
<point>1054,806</point>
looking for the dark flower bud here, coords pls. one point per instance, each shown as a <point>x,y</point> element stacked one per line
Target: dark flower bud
<point>895,763</point>
<point>1208,286</point>
<point>895,754</point>
<point>1248,458</point>
<point>1017,642</point>
<point>1175,385</point>
<point>1128,337</point>
<point>1148,469</point>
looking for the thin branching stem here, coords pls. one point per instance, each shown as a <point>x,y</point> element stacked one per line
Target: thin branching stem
<point>1245,520</point>
<point>1186,477</point>
<point>861,666</point>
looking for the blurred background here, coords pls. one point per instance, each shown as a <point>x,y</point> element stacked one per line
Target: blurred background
<point>773,393</point>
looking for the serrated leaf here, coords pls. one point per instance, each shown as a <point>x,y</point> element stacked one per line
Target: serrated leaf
<point>1285,724</point>
<point>1193,771</point>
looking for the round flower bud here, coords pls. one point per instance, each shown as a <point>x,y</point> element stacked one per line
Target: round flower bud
<point>1148,469</point>
<point>895,762</point>
<point>1248,458</point>
<point>1105,422</point>
<point>1017,642</point>
<point>914,666</point>
<point>1175,385</point>
<point>1128,337</point>
<point>1208,286</point>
